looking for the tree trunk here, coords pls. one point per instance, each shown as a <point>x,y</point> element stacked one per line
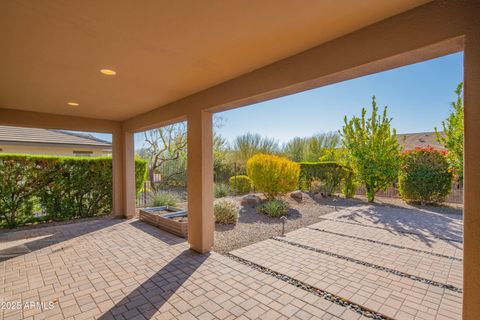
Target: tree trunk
<point>370,194</point>
<point>151,175</point>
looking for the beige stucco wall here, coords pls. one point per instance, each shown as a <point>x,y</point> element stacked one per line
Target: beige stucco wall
<point>51,150</point>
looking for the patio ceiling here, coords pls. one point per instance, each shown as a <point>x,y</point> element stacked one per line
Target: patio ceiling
<point>162,51</point>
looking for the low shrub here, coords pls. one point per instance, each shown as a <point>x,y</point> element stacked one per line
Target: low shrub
<point>225,211</point>
<point>330,174</point>
<point>221,190</point>
<point>274,208</point>
<point>164,198</point>
<point>424,176</point>
<point>272,175</point>
<point>316,186</point>
<point>240,184</point>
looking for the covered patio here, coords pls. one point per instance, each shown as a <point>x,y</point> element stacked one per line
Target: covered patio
<point>357,263</point>
<point>185,61</point>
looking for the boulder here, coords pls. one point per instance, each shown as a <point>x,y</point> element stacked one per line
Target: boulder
<point>318,196</point>
<point>251,200</point>
<point>297,195</point>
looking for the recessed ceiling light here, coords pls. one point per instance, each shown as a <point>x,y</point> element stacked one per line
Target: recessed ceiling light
<point>108,72</point>
<point>73,104</point>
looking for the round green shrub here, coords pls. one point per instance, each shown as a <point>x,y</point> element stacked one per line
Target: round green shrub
<point>424,176</point>
<point>225,211</point>
<point>221,190</point>
<point>273,175</point>
<point>240,184</point>
<point>274,208</point>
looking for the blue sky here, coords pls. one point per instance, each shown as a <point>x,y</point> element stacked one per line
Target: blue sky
<point>418,98</point>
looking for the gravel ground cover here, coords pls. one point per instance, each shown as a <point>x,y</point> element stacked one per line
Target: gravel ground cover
<point>253,227</point>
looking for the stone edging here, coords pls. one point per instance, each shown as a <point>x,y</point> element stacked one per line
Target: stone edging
<point>386,244</point>
<point>399,231</point>
<point>371,265</point>
<point>316,291</point>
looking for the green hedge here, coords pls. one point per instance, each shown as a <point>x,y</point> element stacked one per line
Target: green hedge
<point>330,174</point>
<point>60,187</point>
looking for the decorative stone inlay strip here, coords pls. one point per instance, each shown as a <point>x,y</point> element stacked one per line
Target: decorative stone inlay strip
<point>399,231</point>
<point>316,291</point>
<point>386,244</point>
<point>371,265</point>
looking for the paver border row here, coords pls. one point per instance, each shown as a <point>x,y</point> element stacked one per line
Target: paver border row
<point>386,244</point>
<point>366,312</point>
<point>371,265</point>
<point>399,231</point>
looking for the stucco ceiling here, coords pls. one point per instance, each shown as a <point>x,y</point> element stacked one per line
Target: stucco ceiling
<point>52,50</point>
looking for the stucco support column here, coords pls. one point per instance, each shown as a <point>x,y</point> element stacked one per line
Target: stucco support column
<point>471,282</point>
<point>200,181</point>
<point>123,171</point>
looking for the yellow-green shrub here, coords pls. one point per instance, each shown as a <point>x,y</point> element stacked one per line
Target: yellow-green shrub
<point>272,175</point>
<point>240,184</point>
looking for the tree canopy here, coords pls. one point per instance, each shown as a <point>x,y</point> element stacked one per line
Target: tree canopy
<point>453,134</point>
<point>372,149</point>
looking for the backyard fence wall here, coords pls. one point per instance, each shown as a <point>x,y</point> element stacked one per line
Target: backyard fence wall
<point>455,196</point>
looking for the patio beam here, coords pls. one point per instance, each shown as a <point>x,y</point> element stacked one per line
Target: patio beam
<point>31,119</point>
<point>200,181</point>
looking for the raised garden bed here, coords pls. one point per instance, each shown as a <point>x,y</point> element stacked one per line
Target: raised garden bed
<point>173,220</point>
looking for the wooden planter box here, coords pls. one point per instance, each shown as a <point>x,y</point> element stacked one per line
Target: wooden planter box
<point>165,218</point>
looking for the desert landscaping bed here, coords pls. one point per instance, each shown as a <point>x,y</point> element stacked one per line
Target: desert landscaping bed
<point>252,227</point>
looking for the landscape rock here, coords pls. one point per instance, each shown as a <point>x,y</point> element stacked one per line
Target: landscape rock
<point>297,195</point>
<point>318,196</point>
<point>251,200</point>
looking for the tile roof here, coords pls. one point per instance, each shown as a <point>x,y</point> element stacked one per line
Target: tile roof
<point>44,136</point>
<point>421,139</point>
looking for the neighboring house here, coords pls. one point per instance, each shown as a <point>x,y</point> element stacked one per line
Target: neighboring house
<point>419,140</point>
<point>51,142</point>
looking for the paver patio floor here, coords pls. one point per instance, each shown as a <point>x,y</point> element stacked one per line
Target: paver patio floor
<point>400,263</point>
<point>117,269</point>
<point>375,257</point>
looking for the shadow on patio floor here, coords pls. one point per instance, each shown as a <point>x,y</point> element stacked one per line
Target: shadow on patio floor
<point>150,296</point>
<point>418,222</point>
<point>46,236</point>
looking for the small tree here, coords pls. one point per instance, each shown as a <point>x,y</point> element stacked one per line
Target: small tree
<point>453,134</point>
<point>372,150</point>
<point>166,145</point>
<point>250,144</point>
<point>321,147</point>
<point>295,149</point>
